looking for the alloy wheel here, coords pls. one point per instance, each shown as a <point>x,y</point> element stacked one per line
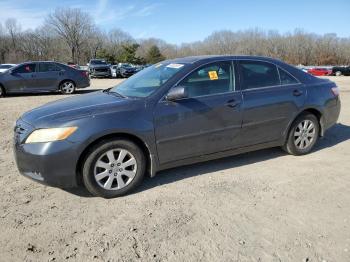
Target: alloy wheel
<point>304,134</point>
<point>68,87</point>
<point>115,169</point>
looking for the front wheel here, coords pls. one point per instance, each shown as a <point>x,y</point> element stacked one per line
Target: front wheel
<point>113,168</point>
<point>338,73</point>
<point>303,135</point>
<point>67,87</point>
<point>2,91</point>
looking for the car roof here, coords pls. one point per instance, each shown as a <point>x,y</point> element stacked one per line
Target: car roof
<point>208,58</point>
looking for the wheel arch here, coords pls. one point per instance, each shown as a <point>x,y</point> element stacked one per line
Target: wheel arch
<point>150,163</point>
<point>311,110</point>
<point>3,89</point>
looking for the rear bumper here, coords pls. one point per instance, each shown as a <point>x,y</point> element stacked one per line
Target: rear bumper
<point>53,163</point>
<point>331,114</point>
<point>84,83</point>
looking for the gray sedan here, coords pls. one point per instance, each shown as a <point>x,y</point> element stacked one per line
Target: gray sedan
<point>174,113</point>
<point>36,77</point>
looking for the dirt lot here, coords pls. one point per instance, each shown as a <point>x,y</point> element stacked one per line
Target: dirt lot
<point>260,206</point>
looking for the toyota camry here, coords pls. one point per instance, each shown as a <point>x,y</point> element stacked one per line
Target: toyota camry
<point>174,113</point>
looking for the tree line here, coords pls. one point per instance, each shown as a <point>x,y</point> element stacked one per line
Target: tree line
<point>71,35</point>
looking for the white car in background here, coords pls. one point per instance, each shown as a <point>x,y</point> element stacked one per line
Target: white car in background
<point>5,67</point>
<point>114,70</point>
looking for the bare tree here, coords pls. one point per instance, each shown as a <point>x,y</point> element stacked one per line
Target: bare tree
<point>71,35</point>
<point>74,26</point>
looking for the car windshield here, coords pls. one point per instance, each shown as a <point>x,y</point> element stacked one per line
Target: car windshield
<point>98,62</point>
<point>148,80</point>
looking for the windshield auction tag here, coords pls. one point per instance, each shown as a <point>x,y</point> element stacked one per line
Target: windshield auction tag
<point>176,66</point>
<point>158,65</point>
<point>213,75</point>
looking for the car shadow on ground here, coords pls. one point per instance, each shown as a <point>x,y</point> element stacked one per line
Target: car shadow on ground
<point>337,134</point>
<point>77,92</point>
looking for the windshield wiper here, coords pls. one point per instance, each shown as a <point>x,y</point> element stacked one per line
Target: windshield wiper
<point>108,91</point>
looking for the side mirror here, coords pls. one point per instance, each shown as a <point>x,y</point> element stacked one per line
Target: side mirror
<point>176,93</point>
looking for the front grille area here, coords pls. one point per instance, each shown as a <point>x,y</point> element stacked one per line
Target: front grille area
<point>104,70</point>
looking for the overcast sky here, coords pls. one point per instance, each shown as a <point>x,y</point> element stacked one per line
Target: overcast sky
<point>178,21</point>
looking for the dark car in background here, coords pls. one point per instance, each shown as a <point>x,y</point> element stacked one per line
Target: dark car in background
<point>42,76</point>
<point>99,68</point>
<point>174,113</point>
<point>341,71</point>
<point>125,70</point>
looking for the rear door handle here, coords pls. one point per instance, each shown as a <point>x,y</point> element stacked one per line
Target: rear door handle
<point>232,103</point>
<point>297,92</point>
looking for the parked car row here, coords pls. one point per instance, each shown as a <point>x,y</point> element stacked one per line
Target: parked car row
<point>328,71</point>
<point>42,76</point>
<point>100,68</point>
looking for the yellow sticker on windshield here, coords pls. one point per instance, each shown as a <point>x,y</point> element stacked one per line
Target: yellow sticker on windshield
<point>158,65</point>
<point>213,75</point>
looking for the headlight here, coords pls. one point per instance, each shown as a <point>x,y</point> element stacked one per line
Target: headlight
<point>50,134</point>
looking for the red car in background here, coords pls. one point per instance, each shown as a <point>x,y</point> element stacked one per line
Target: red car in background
<point>320,71</point>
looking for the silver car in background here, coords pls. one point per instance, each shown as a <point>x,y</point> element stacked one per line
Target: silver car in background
<point>5,67</point>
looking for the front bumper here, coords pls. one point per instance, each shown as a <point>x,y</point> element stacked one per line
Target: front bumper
<point>127,74</point>
<point>52,163</point>
<point>96,73</point>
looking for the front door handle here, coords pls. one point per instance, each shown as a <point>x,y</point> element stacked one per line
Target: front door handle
<point>233,103</point>
<point>297,92</point>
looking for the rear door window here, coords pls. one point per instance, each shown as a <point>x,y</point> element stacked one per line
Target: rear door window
<point>48,67</point>
<point>215,78</point>
<point>258,74</point>
<point>25,69</point>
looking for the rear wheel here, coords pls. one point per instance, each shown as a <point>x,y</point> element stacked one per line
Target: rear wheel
<point>67,87</point>
<point>113,168</point>
<point>338,73</point>
<point>303,135</point>
<point>2,91</point>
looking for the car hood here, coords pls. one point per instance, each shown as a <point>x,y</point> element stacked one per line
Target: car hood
<point>79,106</point>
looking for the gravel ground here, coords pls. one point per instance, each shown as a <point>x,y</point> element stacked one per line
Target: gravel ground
<point>260,206</point>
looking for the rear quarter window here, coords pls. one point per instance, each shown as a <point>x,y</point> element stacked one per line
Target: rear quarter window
<point>286,78</point>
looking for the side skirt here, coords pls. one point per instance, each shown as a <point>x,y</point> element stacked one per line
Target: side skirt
<point>226,153</point>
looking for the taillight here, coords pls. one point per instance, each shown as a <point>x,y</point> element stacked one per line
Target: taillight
<point>335,91</point>
<point>85,73</point>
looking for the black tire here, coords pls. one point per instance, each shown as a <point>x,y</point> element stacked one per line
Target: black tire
<point>290,145</point>
<point>64,87</point>
<point>2,91</point>
<point>100,149</point>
